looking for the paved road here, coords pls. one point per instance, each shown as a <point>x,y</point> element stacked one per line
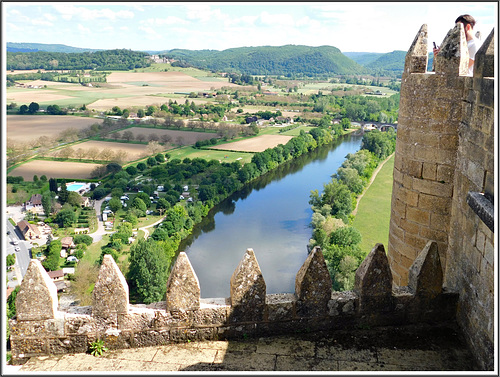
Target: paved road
<point>97,235</point>
<point>23,256</point>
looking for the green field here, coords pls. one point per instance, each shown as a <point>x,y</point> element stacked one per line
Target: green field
<point>210,154</point>
<point>374,210</point>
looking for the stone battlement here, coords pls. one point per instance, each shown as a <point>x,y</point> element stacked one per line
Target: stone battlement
<point>41,329</point>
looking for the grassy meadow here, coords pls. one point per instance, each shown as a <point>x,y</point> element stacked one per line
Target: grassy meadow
<point>374,210</point>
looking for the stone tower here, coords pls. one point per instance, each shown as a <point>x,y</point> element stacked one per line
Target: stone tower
<point>443,188</point>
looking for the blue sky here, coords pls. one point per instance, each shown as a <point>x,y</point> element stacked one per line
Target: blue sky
<point>349,26</point>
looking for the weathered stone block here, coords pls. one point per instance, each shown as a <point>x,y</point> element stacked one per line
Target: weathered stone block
<point>313,285</point>
<point>73,344</point>
<point>136,321</point>
<point>190,334</point>
<point>117,339</point>
<point>418,216</point>
<point>280,306</point>
<point>343,304</point>
<point>213,316</point>
<point>26,346</point>
<point>77,325</point>
<point>150,338</point>
<point>429,171</point>
<point>426,275</point>
<point>247,290</point>
<point>46,328</point>
<point>37,297</point>
<point>183,287</point>
<point>166,320</point>
<point>110,294</point>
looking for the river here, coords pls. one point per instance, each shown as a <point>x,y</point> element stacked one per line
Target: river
<point>272,216</point>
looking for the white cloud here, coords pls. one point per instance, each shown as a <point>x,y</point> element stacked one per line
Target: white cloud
<point>151,33</point>
<point>13,27</point>
<point>83,29</point>
<point>203,12</point>
<point>68,11</point>
<point>169,20</point>
<point>42,23</point>
<point>49,16</point>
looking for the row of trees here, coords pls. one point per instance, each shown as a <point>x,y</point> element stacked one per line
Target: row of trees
<point>332,208</point>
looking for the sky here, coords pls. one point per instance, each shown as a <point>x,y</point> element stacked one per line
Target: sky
<point>158,26</point>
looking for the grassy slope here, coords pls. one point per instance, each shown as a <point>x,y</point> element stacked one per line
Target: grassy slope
<point>374,211</point>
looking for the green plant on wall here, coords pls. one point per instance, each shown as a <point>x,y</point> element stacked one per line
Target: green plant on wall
<point>97,348</point>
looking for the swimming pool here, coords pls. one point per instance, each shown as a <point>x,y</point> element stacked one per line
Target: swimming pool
<point>75,186</point>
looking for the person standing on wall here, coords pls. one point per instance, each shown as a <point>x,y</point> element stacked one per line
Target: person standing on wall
<point>472,42</point>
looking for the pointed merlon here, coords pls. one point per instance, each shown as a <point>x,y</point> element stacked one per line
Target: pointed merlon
<point>247,286</point>
<point>37,297</point>
<point>453,56</point>
<point>313,283</point>
<point>484,63</point>
<point>416,57</point>
<point>425,277</point>
<point>183,287</point>
<point>373,277</point>
<point>110,294</point>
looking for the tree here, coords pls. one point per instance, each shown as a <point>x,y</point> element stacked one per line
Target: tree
<point>144,197</point>
<point>74,199</point>
<point>140,113</point>
<point>128,135</point>
<point>83,239</point>
<point>148,271</point>
<point>33,107</point>
<point>66,218</point>
<point>138,204</point>
<point>47,204</point>
<point>63,193</point>
<point>52,185</point>
<point>162,205</point>
<point>151,161</point>
<point>23,109</point>
<point>115,204</point>
<point>132,170</point>
<point>53,257</point>
<point>11,259</point>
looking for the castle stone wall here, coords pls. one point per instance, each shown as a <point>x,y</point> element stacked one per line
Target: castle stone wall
<point>249,311</point>
<point>443,186</point>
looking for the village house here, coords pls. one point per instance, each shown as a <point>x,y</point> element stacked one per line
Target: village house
<point>34,204</point>
<point>29,231</point>
<point>67,244</point>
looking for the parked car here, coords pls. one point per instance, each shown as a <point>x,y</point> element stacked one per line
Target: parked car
<point>17,248</point>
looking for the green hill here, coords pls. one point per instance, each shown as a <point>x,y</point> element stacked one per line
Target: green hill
<point>364,58</point>
<point>392,61</point>
<point>271,60</point>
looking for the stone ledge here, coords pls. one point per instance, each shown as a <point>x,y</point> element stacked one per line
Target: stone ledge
<point>482,207</point>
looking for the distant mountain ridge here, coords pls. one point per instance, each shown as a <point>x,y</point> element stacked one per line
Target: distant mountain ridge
<point>34,47</point>
<point>262,60</point>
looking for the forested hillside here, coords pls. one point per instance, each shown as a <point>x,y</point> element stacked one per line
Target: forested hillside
<point>99,60</point>
<point>393,61</point>
<point>271,60</point>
